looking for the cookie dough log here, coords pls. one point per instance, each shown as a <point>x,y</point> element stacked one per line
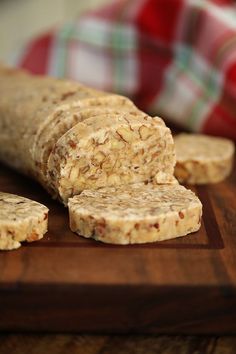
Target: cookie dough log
<point>135,214</point>
<point>202,159</point>
<point>27,106</point>
<point>21,219</point>
<point>109,150</point>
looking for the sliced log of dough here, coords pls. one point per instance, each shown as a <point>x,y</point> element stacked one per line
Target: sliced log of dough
<point>21,219</point>
<point>42,136</point>
<point>108,150</point>
<point>202,159</point>
<point>135,214</point>
<point>27,105</point>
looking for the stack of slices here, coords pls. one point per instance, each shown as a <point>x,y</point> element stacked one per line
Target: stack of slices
<point>113,163</point>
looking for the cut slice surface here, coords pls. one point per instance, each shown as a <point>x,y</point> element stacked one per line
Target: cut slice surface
<point>21,219</point>
<point>108,150</point>
<point>202,159</point>
<point>135,213</point>
<point>65,120</point>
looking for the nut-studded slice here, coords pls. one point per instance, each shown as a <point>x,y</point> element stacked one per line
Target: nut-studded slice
<point>109,150</point>
<point>202,159</point>
<point>135,214</point>
<point>65,120</point>
<point>21,219</point>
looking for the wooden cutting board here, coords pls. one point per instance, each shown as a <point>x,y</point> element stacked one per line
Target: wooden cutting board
<point>67,283</point>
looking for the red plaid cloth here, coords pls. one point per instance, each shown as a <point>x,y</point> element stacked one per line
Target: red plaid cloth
<point>176,58</point>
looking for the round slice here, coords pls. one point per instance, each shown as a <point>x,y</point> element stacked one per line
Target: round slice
<point>109,150</point>
<point>202,159</point>
<point>21,219</point>
<point>64,121</point>
<point>135,214</point>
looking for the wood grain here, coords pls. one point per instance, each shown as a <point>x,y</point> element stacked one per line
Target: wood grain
<point>67,283</point>
<point>91,344</point>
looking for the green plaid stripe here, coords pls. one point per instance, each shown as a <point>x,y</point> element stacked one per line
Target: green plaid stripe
<point>98,33</point>
<point>115,40</point>
<point>204,84</point>
<point>120,41</point>
<point>58,57</point>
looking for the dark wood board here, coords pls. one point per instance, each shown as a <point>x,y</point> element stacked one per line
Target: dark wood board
<point>66,283</point>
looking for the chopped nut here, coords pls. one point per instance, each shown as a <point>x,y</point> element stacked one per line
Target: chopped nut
<point>125,134</point>
<point>82,161</point>
<point>101,139</point>
<point>84,169</point>
<point>107,165</point>
<point>65,95</point>
<point>117,144</point>
<point>113,179</point>
<point>98,158</point>
<point>72,144</point>
<point>33,237</point>
<point>73,174</point>
<point>144,132</point>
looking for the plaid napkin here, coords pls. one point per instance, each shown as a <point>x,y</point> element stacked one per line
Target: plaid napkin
<point>175,58</point>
